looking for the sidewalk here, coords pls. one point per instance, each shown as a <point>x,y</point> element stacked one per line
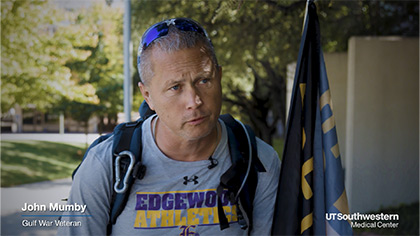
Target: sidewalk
<point>52,137</point>
<point>14,198</point>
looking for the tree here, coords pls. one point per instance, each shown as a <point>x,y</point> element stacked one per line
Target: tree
<point>35,45</point>
<point>366,18</point>
<point>249,48</point>
<point>256,40</point>
<point>103,68</point>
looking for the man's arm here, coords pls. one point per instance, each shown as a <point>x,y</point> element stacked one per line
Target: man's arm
<point>91,187</point>
<point>266,192</point>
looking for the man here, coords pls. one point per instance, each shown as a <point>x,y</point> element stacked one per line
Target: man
<point>185,148</point>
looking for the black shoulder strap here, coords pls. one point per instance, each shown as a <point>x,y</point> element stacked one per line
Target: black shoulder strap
<point>127,138</point>
<point>240,136</point>
<point>242,176</point>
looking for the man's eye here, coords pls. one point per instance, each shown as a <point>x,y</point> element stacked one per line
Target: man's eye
<point>175,88</point>
<point>204,81</point>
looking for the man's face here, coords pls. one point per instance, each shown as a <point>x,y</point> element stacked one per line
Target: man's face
<point>185,91</point>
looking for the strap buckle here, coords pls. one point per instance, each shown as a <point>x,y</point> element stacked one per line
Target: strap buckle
<point>123,189</point>
<point>139,170</point>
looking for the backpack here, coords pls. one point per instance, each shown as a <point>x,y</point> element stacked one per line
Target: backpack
<point>240,179</point>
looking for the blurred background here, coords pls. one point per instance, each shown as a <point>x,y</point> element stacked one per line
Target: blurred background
<point>62,75</point>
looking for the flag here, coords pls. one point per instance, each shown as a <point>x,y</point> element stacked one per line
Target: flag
<point>311,182</point>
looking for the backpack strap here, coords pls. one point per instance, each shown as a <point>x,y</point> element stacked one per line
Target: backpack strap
<point>127,165</point>
<point>241,178</point>
<point>127,161</point>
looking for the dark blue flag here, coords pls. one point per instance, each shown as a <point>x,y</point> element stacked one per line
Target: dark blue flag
<point>311,181</point>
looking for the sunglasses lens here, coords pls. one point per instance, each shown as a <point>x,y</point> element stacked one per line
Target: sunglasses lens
<point>153,34</point>
<point>188,25</point>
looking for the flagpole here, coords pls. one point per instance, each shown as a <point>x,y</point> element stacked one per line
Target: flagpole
<point>311,180</point>
<point>128,90</point>
<point>306,16</point>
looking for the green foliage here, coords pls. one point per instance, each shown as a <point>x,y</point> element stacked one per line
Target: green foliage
<point>342,19</point>
<point>102,68</point>
<point>256,40</point>
<point>70,61</point>
<point>251,45</point>
<point>73,60</point>
<point>34,161</point>
<point>278,145</point>
<point>34,48</point>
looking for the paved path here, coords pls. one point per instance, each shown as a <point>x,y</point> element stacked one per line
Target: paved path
<point>14,198</point>
<point>74,138</point>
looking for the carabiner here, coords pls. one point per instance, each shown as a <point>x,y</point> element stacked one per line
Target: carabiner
<point>127,174</point>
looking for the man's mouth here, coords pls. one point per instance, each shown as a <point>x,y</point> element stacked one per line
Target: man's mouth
<point>196,121</point>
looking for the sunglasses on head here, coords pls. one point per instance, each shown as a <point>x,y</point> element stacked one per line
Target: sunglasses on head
<point>162,28</point>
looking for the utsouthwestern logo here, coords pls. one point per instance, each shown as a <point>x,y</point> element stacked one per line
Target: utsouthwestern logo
<point>369,220</point>
<point>359,216</point>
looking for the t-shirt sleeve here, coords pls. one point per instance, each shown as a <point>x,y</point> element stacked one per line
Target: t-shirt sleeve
<point>266,192</point>
<point>91,187</point>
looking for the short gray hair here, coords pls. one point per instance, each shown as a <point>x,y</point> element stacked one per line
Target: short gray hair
<point>175,40</point>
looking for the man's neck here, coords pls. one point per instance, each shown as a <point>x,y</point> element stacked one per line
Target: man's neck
<point>181,149</point>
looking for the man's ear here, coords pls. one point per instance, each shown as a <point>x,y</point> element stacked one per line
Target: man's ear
<point>219,71</point>
<point>146,94</point>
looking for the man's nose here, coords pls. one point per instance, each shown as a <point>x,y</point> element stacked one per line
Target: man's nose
<point>193,99</point>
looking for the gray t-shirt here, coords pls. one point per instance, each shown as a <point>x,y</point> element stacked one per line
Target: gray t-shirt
<point>174,197</point>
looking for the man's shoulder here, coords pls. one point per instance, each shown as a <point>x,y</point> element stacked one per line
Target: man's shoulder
<point>104,146</point>
<point>265,149</point>
<point>267,155</point>
<point>98,157</point>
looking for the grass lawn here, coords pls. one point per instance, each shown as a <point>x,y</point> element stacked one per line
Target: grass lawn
<point>27,161</point>
<point>278,145</point>
<point>34,161</point>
